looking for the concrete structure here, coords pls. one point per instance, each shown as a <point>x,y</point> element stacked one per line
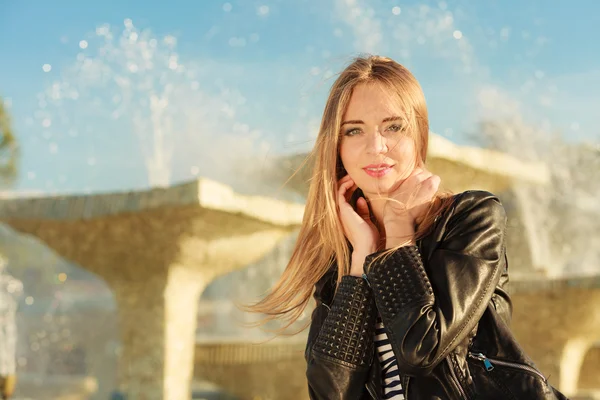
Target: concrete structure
<point>589,374</point>
<point>558,323</point>
<point>55,387</point>
<point>253,370</point>
<point>460,167</point>
<point>157,250</point>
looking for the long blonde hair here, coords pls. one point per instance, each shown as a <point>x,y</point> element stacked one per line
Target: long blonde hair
<point>321,241</point>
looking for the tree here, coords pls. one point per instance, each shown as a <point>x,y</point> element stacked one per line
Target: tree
<point>9,150</point>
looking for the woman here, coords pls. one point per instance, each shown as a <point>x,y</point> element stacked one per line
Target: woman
<point>409,280</point>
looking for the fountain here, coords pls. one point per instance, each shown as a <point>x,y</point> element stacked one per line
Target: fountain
<point>132,87</point>
<point>159,248</point>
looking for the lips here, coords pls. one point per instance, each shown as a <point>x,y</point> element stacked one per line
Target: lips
<point>377,170</point>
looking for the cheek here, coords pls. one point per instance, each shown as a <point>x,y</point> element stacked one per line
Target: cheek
<point>404,151</point>
<point>350,155</point>
<point>345,156</point>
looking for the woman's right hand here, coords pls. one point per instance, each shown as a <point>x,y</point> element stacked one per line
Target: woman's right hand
<point>357,225</point>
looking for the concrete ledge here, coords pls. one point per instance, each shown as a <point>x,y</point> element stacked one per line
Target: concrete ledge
<point>490,161</point>
<point>202,192</point>
<point>247,353</point>
<point>48,386</point>
<point>554,285</point>
<point>460,167</point>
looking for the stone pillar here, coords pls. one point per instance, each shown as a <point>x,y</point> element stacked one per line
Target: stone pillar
<point>181,298</point>
<point>158,319</point>
<point>570,365</point>
<point>141,309</point>
<point>589,375</point>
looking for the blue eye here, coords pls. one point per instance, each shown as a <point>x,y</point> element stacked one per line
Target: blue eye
<point>395,128</point>
<point>352,132</point>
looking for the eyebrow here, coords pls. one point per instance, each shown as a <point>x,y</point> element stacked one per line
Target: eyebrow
<point>358,121</point>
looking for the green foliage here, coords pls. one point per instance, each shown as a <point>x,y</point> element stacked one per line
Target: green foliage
<point>9,149</point>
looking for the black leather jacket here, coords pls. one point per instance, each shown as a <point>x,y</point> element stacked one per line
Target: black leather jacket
<point>431,298</point>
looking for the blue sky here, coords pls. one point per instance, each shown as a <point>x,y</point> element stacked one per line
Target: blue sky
<point>249,78</point>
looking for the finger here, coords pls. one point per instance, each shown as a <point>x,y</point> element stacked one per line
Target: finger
<point>428,189</point>
<point>434,178</point>
<point>344,179</point>
<point>433,182</point>
<point>413,182</point>
<point>422,173</point>
<point>345,186</point>
<point>416,172</point>
<point>424,169</point>
<point>363,209</point>
<point>350,192</point>
<point>343,189</point>
<point>422,176</point>
<point>421,179</point>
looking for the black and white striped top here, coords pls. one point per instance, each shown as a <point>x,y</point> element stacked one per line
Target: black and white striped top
<point>392,388</point>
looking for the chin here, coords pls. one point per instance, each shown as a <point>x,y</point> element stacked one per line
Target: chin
<point>375,186</point>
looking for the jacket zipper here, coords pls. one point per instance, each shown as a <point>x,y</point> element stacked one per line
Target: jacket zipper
<point>453,373</point>
<point>487,362</point>
<point>404,379</point>
<point>371,391</point>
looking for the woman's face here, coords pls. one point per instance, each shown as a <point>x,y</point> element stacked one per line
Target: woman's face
<point>375,148</point>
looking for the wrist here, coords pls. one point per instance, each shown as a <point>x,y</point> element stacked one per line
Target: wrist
<point>399,242</point>
<point>358,261</point>
<point>399,224</point>
<point>362,253</point>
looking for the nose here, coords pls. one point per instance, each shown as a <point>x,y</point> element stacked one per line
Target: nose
<point>377,143</point>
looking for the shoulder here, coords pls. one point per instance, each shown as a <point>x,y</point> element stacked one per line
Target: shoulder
<point>474,206</point>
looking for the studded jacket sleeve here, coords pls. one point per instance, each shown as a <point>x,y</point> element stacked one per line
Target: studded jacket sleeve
<point>340,343</point>
<point>428,313</point>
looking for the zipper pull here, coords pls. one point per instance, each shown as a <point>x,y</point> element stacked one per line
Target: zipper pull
<point>486,362</point>
<point>364,276</point>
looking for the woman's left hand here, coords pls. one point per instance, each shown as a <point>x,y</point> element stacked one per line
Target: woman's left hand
<point>407,205</point>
